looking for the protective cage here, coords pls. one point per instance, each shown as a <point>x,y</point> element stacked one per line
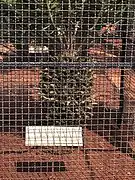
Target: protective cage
<point>67,89</point>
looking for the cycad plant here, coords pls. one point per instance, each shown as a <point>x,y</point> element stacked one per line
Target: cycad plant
<point>63,26</point>
<point>66,91</point>
<point>67,28</point>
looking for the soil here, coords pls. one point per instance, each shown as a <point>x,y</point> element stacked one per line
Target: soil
<point>29,78</point>
<point>105,91</point>
<point>74,166</point>
<point>95,161</point>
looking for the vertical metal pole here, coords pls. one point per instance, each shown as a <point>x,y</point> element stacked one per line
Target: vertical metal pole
<point>123,33</point>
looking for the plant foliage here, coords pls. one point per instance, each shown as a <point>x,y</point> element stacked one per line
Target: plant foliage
<point>67,27</point>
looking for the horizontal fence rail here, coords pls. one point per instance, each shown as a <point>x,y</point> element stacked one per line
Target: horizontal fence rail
<point>67,64</point>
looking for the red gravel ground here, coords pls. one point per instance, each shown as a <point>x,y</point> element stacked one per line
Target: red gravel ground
<point>107,163</point>
<point>105,91</point>
<point>98,160</point>
<point>74,163</point>
<point>15,150</point>
<point>29,78</point>
<point>112,165</point>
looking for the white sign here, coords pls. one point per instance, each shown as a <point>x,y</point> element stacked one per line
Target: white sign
<point>53,136</point>
<point>38,49</point>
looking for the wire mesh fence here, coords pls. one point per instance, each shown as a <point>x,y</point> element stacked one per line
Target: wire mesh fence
<point>67,89</point>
